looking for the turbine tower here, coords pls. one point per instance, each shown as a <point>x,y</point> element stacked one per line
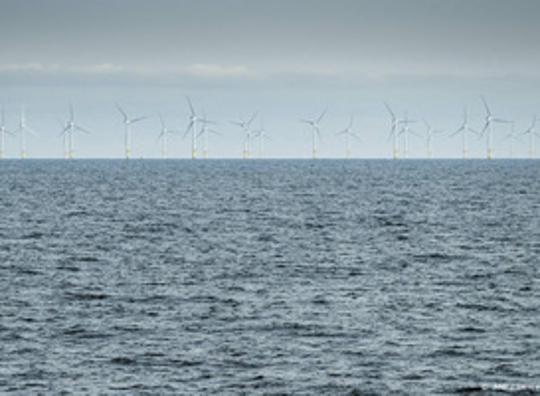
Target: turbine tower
<point>128,142</point>
<point>429,137</point>
<point>3,132</point>
<point>394,133</point>
<point>464,129</point>
<point>245,126</point>
<point>488,126</point>
<point>315,132</point>
<point>23,129</point>
<point>163,137</point>
<point>68,132</point>
<point>348,133</point>
<point>531,131</point>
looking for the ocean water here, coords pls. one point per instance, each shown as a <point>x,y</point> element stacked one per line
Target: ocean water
<point>270,277</point>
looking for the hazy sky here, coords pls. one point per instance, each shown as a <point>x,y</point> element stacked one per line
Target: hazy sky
<point>285,59</point>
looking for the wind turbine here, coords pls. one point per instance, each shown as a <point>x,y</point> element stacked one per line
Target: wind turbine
<point>429,136</point>
<point>128,142</point>
<point>394,133</point>
<point>245,126</point>
<point>531,131</point>
<point>68,131</point>
<point>23,129</point>
<point>348,133</point>
<point>464,129</point>
<point>489,128</point>
<point>3,132</point>
<point>163,136</point>
<point>261,135</point>
<point>204,132</point>
<point>192,126</point>
<point>315,132</point>
<point>405,131</point>
<point>512,136</point>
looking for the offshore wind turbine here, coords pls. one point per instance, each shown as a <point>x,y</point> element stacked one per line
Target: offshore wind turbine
<point>348,133</point>
<point>3,132</point>
<point>429,136</point>
<point>194,119</point>
<point>128,142</point>
<point>488,126</point>
<point>315,132</point>
<point>394,133</point>
<point>531,131</point>
<point>163,137</point>
<point>23,129</point>
<point>68,132</point>
<point>245,126</point>
<point>464,129</point>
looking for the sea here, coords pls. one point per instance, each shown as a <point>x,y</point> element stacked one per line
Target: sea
<point>270,277</point>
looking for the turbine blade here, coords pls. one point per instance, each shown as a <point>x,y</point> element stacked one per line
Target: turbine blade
<point>502,121</point>
<point>190,105</point>
<point>485,104</point>
<point>321,116</point>
<point>138,119</point>
<point>188,129</point>
<point>122,112</point>
<point>81,129</point>
<point>389,110</point>
<point>251,119</point>
<point>161,121</point>
<point>31,131</point>
<point>356,136</point>
<point>64,130</point>
<point>71,112</point>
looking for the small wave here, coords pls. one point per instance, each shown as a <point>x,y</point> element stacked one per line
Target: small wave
<point>33,235</point>
<point>511,389</point>
<point>87,296</point>
<point>123,360</point>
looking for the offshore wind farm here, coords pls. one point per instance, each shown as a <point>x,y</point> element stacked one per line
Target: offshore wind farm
<point>243,197</point>
<point>199,128</point>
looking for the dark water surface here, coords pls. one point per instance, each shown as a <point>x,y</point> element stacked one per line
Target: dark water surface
<point>270,277</point>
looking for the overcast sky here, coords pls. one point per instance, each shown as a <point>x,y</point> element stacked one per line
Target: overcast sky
<point>285,59</point>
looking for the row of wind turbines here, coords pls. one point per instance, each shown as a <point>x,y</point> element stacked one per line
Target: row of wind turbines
<point>200,127</point>
<point>400,131</point>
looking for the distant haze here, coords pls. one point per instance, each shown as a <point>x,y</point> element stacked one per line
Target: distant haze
<point>285,59</point>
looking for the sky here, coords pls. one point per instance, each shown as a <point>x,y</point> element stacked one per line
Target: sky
<point>286,60</point>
